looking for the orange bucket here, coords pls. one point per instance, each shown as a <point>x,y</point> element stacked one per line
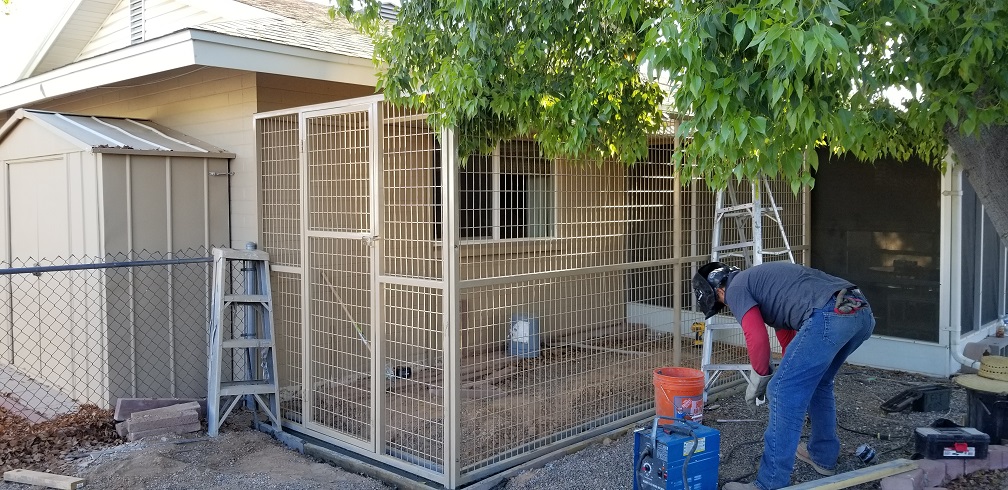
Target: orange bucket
<point>679,393</point>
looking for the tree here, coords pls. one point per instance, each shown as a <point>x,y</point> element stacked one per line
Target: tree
<point>759,84</point>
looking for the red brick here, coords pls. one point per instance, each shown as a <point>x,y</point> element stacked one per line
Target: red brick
<point>911,480</point>
<point>973,465</point>
<point>997,455</point>
<point>934,471</point>
<point>954,468</point>
<point>181,429</point>
<point>140,424</point>
<point>126,406</point>
<point>169,411</point>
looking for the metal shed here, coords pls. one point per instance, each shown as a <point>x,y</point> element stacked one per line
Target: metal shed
<point>90,189</point>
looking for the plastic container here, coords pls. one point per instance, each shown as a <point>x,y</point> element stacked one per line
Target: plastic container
<point>523,336</point>
<point>679,393</point>
<point>951,443</point>
<point>988,413</point>
<point>933,399</point>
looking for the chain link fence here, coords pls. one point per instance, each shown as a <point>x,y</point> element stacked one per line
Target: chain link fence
<point>89,330</point>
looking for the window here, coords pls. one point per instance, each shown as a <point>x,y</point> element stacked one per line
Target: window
<point>506,195</point>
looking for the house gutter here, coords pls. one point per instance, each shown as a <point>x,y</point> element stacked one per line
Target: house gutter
<point>952,227</point>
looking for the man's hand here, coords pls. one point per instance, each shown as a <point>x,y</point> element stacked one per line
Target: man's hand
<point>757,387</point>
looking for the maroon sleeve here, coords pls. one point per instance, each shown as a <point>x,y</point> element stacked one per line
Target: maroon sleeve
<point>785,337</point>
<point>757,340</point>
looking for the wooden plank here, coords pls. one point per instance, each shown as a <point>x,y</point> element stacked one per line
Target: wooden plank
<point>859,476</point>
<point>50,480</point>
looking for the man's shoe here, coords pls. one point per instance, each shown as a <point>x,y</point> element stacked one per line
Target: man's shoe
<point>802,454</point>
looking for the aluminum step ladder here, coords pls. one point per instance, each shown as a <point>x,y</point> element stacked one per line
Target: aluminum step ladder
<point>253,350</point>
<point>747,219</point>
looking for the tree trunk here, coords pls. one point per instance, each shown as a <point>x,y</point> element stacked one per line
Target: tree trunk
<point>984,159</point>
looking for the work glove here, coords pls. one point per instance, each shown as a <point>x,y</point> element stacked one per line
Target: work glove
<point>757,387</point>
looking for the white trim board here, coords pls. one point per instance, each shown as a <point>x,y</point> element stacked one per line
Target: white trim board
<point>188,48</point>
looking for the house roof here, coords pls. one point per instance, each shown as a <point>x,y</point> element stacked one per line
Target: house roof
<point>116,134</point>
<point>285,37</point>
<point>298,23</point>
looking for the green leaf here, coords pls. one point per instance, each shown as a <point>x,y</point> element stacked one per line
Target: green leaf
<point>739,33</point>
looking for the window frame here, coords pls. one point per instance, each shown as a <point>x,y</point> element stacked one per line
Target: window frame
<point>496,226</point>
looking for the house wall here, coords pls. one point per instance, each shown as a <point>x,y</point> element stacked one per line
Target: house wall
<point>216,106</point>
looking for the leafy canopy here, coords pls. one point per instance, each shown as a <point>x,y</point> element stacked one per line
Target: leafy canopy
<point>757,84</point>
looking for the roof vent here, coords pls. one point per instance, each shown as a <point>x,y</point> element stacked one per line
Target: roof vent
<point>389,11</point>
<point>136,21</point>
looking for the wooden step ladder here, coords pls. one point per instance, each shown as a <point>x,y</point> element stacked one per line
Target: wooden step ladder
<point>255,346</point>
<point>751,250</point>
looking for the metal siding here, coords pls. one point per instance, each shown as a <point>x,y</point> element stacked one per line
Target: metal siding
<point>148,201</point>
<point>188,203</point>
<point>113,200</point>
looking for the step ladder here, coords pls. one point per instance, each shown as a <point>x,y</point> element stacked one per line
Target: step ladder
<point>747,219</point>
<point>254,347</point>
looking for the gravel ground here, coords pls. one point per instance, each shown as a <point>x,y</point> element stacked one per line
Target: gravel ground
<point>242,459</point>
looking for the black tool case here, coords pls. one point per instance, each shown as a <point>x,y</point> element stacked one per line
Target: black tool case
<point>951,442</point>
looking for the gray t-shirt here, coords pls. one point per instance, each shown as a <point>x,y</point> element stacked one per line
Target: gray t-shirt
<point>786,293</point>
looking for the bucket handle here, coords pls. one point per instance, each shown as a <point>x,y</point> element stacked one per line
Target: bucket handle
<point>654,427</point>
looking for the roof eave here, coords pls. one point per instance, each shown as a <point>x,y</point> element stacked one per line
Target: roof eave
<point>161,153</point>
<point>187,48</point>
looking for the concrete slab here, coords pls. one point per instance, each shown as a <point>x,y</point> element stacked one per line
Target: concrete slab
<point>45,401</point>
<point>125,407</point>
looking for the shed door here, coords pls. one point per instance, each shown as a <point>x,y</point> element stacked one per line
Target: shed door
<point>44,332</point>
<point>339,229</point>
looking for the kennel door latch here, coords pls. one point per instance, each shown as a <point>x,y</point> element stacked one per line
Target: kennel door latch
<point>370,240</point>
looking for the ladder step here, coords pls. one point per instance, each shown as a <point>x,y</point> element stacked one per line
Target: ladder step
<point>246,298</point>
<point>726,367</point>
<point>255,387</point>
<point>246,343</point>
<point>235,254</point>
<point>735,246</point>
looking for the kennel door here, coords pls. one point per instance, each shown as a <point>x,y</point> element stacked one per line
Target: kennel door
<point>339,161</point>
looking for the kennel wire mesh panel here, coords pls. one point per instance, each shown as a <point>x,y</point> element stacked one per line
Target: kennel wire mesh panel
<point>278,150</point>
<point>410,281</point>
<point>509,303</point>
<point>338,208</point>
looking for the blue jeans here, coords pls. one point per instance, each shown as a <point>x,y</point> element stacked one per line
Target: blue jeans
<point>803,383</point>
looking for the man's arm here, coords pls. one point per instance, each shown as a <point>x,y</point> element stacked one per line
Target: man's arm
<point>785,337</point>
<point>757,341</point>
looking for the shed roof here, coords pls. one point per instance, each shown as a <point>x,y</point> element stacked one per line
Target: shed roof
<point>121,135</point>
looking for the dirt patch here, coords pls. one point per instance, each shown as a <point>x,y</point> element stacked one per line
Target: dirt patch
<point>84,444</point>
